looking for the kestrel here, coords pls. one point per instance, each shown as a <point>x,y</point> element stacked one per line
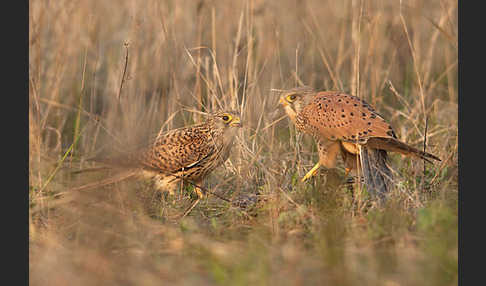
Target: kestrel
<point>346,124</point>
<point>186,153</point>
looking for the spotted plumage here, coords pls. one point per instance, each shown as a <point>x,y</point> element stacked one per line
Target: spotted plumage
<point>342,123</point>
<point>343,117</point>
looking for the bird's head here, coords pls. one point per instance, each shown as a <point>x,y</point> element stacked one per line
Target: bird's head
<point>294,100</point>
<point>227,119</point>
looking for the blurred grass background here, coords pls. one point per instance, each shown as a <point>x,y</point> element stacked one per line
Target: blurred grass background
<point>185,56</point>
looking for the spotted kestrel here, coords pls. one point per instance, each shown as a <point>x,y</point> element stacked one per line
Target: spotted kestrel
<point>346,124</point>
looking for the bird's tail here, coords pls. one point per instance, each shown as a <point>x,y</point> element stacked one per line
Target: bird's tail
<point>394,145</point>
<point>377,175</point>
<point>121,163</point>
<point>94,169</point>
<point>108,181</point>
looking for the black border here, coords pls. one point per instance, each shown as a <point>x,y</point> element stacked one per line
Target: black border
<point>14,25</point>
<point>471,111</point>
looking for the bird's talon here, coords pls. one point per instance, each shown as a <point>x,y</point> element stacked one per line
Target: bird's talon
<point>311,173</point>
<point>347,170</point>
<point>199,192</point>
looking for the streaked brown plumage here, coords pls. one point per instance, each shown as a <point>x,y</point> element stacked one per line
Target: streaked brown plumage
<point>188,153</point>
<point>346,124</point>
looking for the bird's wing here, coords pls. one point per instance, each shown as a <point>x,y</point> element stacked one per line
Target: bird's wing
<point>178,148</point>
<point>339,116</point>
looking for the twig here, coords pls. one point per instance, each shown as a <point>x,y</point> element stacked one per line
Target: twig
<point>80,106</point>
<point>94,117</point>
<point>425,142</point>
<point>288,197</point>
<point>124,72</point>
<point>190,208</point>
<point>54,172</point>
<point>203,189</point>
<point>357,50</point>
<point>412,51</point>
<point>395,92</point>
<point>269,125</point>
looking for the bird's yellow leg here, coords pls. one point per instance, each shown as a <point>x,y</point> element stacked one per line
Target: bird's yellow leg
<point>347,171</point>
<point>199,192</point>
<point>312,172</point>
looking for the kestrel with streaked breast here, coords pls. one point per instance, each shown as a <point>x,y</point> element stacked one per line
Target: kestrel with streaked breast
<point>184,154</point>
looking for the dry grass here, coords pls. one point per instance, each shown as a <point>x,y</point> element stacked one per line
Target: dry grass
<point>186,56</point>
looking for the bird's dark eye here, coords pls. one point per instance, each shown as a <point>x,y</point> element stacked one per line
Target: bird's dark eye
<point>292,97</point>
<point>226,118</point>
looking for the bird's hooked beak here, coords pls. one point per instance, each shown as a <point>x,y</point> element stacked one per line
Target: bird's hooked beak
<point>236,122</point>
<point>289,109</point>
<point>283,102</point>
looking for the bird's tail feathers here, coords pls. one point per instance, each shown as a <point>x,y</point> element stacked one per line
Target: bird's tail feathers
<point>394,145</point>
<point>94,169</point>
<point>108,181</point>
<point>377,175</point>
